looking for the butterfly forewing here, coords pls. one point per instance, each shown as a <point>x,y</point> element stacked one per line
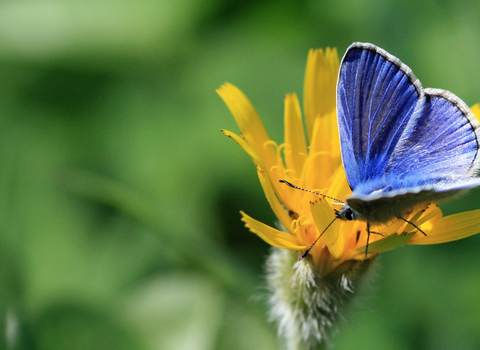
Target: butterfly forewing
<point>376,97</point>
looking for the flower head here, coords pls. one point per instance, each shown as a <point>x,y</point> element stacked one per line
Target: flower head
<point>307,294</point>
<point>310,158</point>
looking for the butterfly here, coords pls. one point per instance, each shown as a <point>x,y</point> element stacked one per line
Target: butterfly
<point>402,146</point>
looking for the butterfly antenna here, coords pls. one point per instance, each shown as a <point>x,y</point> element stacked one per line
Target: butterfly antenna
<point>310,248</point>
<point>303,189</point>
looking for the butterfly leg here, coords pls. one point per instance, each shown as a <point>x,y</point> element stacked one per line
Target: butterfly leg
<point>368,240</point>
<point>377,233</point>
<point>411,223</point>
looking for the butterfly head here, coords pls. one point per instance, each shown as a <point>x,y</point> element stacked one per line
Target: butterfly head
<point>346,213</point>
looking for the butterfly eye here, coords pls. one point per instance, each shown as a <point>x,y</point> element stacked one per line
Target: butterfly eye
<point>346,213</point>
<point>350,214</point>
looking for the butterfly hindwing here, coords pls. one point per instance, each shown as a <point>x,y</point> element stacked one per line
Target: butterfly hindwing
<point>440,143</point>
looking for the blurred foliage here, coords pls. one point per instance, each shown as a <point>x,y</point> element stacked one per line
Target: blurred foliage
<point>120,196</point>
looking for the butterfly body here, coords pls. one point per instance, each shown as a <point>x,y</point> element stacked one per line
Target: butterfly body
<point>403,146</point>
<point>383,207</point>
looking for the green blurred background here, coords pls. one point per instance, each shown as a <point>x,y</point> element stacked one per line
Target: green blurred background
<point>120,198</point>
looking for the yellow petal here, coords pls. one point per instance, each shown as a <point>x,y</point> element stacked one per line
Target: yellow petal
<point>323,215</point>
<point>387,243</point>
<point>272,197</point>
<point>245,146</point>
<point>476,110</point>
<point>324,152</point>
<point>431,214</point>
<point>410,224</point>
<point>270,235</point>
<point>251,126</point>
<point>295,142</point>
<point>325,137</point>
<point>320,84</point>
<point>317,171</point>
<point>451,228</point>
<point>339,187</point>
<point>334,139</point>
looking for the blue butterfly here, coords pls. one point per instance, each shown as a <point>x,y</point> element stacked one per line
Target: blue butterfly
<point>403,146</point>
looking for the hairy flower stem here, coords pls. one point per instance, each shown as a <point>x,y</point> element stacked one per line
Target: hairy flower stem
<point>306,304</point>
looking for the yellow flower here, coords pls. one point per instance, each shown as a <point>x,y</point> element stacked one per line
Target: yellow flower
<point>310,158</point>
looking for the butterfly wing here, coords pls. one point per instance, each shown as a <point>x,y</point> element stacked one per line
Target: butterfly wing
<point>440,143</point>
<point>401,145</point>
<point>376,97</point>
